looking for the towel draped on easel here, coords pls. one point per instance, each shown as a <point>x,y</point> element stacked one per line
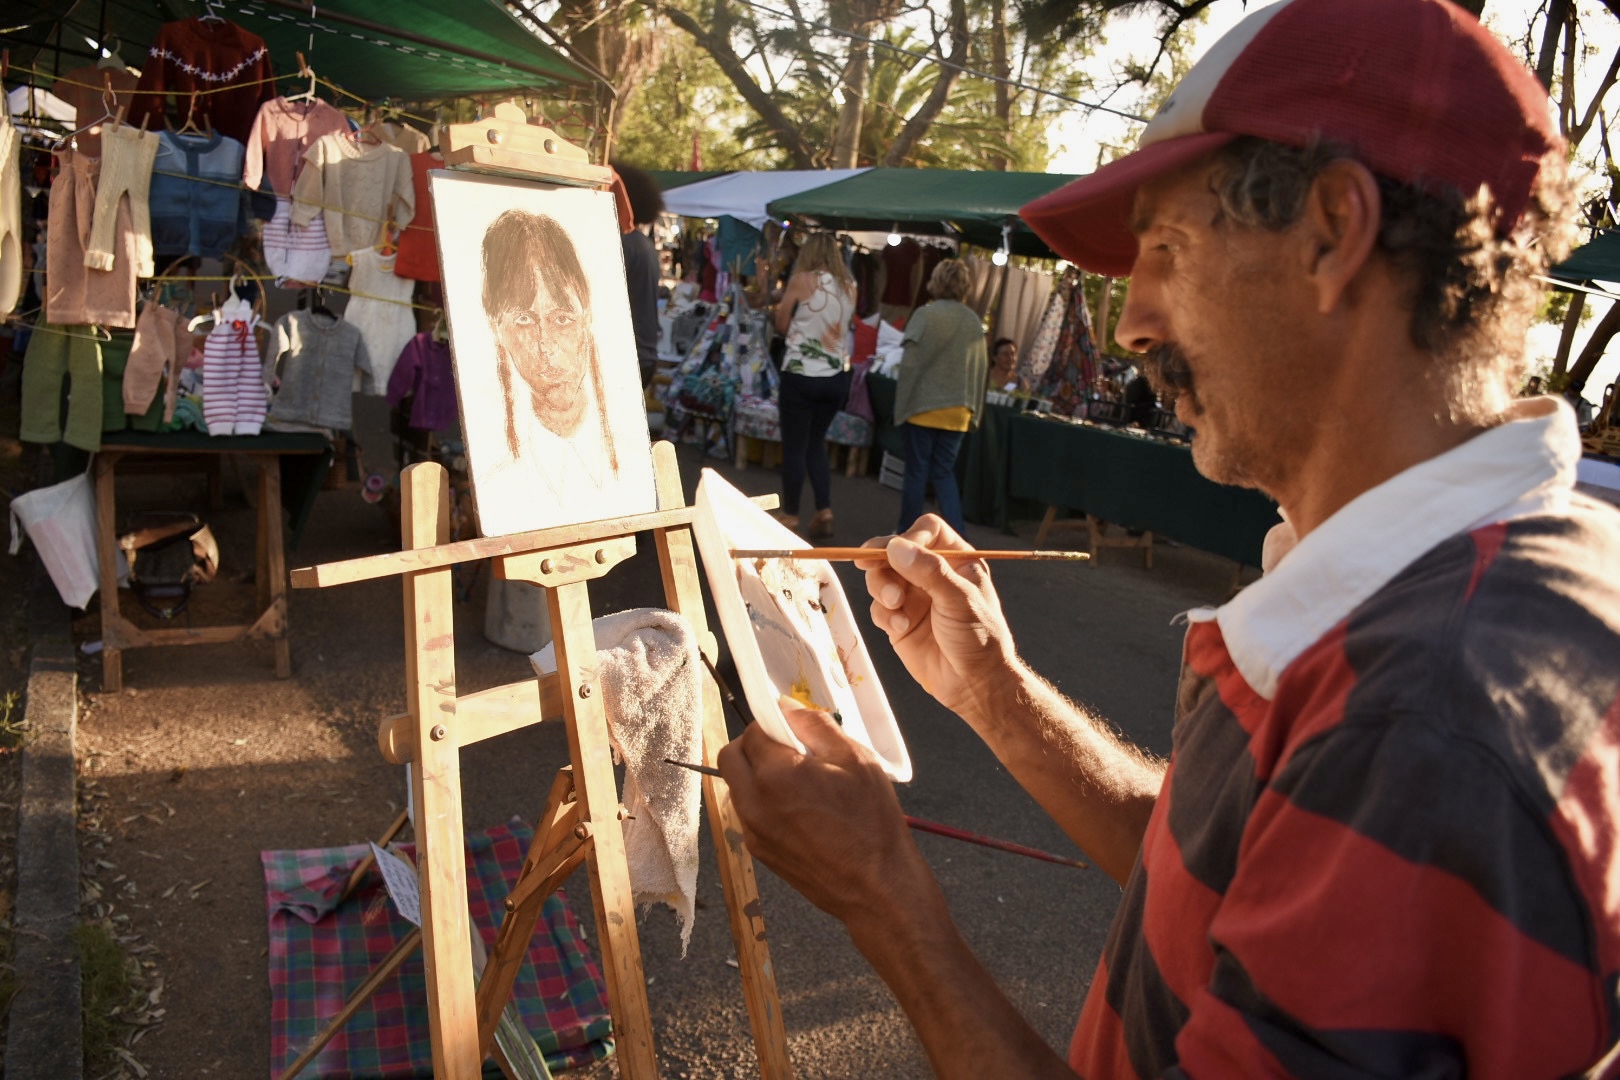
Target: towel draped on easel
<point>651,675</point>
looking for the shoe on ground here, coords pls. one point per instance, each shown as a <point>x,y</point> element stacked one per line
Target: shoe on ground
<point>782,517</point>
<point>821,526</point>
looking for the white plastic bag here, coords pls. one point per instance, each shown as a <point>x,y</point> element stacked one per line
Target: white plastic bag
<point>61,521</point>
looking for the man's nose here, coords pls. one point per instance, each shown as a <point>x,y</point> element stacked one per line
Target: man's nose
<point>1141,323</point>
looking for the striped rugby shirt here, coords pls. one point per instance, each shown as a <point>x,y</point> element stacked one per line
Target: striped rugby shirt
<point>1389,840</point>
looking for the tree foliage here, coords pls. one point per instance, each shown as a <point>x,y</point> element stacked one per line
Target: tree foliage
<point>839,83</point>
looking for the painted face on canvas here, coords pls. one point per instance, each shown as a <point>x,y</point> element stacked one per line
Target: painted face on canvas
<point>544,342</point>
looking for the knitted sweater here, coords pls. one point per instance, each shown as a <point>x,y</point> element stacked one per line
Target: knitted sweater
<point>357,187</point>
<point>197,205</point>
<point>283,132</point>
<point>945,362</point>
<point>316,359</point>
<point>202,54</point>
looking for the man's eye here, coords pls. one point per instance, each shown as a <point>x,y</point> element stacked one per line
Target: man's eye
<point>562,320</point>
<point>523,318</point>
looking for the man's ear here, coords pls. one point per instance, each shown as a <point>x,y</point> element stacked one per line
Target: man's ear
<point>1342,214</point>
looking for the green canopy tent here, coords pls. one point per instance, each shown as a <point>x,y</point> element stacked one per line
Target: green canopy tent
<point>411,49</point>
<point>1598,260</point>
<point>972,206</point>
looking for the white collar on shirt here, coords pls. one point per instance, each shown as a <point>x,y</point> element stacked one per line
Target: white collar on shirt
<point>1525,465</point>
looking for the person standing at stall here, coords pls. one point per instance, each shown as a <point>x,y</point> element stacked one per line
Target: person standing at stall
<point>814,313</point>
<point>940,396</point>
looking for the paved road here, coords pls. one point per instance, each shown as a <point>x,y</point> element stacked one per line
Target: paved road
<point>210,759</point>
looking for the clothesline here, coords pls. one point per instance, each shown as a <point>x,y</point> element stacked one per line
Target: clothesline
<point>205,91</point>
<point>164,279</point>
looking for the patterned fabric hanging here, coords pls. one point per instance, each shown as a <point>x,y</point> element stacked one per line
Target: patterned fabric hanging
<point>1075,361</point>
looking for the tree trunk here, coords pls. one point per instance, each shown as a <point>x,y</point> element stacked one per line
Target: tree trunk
<point>1002,70</point>
<point>1596,346</point>
<point>846,146</point>
<point>1557,16</point>
<point>1566,336</point>
<point>919,123</point>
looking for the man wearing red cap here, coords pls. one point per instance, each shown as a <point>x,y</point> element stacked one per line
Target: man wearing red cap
<point>1388,840</point>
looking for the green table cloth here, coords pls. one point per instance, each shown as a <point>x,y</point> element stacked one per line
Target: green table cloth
<point>1135,482</point>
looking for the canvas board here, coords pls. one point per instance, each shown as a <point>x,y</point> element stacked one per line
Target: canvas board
<point>790,627</point>
<point>543,350</point>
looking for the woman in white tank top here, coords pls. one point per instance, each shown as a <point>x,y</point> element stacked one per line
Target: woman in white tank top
<point>815,314</point>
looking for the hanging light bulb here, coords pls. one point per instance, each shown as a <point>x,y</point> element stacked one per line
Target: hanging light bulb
<point>894,236</point>
<point>1000,257</point>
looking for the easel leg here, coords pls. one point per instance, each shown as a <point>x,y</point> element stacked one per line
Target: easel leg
<point>598,798</point>
<point>436,780</point>
<point>678,563</point>
<point>551,833</point>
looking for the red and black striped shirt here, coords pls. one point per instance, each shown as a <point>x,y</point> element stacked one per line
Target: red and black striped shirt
<point>1406,862</point>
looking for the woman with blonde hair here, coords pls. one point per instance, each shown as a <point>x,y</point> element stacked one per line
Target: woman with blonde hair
<point>814,314</point>
<point>940,395</point>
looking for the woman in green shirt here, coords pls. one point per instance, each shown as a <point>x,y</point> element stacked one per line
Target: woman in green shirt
<point>940,396</point>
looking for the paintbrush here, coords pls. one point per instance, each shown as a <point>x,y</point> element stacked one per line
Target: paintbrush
<point>923,825</point>
<point>850,554</point>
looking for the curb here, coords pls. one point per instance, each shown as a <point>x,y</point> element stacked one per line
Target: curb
<point>45,1036</point>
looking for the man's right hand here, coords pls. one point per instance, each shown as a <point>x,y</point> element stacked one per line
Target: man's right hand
<point>942,616</point>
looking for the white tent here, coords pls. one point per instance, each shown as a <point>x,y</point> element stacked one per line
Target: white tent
<point>744,195</point>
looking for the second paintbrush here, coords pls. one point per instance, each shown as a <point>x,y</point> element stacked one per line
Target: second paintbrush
<point>866,554</point>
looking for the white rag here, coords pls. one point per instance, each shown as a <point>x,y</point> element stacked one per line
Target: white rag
<point>652,685</point>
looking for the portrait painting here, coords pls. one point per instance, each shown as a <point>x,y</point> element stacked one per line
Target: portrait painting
<point>789,627</point>
<point>544,354</point>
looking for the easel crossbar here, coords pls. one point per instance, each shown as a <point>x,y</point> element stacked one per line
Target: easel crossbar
<point>395,563</point>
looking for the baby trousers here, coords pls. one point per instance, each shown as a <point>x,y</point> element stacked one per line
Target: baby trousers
<point>162,345</point>
<point>55,353</point>
<point>126,169</point>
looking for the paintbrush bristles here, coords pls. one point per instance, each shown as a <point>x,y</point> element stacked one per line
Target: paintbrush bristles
<point>866,554</point>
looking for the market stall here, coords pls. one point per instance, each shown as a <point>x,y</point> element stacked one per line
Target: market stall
<point>1134,481</point>
<point>232,251</point>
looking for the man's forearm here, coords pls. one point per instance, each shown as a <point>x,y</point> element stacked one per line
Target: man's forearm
<point>966,1024</point>
<point>1093,783</point>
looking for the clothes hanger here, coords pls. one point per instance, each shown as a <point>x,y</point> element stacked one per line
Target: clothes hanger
<point>190,126</point>
<point>441,327</point>
<point>307,95</point>
<point>110,111</point>
<point>209,14</point>
<point>317,304</point>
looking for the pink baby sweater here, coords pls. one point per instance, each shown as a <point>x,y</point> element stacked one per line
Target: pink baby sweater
<point>281,135</point>
<point>358,187</point>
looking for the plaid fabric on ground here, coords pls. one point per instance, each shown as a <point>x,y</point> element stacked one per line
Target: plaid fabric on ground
<point>320,951</point>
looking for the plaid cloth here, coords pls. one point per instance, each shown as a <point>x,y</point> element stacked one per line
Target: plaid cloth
<point>320,951</point>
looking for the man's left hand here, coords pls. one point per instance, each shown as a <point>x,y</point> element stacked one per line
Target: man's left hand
<point>827,821</point>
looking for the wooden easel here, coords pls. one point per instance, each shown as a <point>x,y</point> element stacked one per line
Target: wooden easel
<point>580,822</point>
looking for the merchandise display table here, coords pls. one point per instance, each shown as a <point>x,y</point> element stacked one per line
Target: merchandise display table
<point>304,457</point>
<point>1135,482</point>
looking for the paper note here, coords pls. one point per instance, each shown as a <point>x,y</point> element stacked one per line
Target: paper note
<point>400,878</point>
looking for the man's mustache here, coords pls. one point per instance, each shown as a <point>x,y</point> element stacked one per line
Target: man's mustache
<point>1167,370</point>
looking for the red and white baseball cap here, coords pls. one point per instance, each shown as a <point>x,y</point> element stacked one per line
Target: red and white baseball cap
<point>1417,88</point>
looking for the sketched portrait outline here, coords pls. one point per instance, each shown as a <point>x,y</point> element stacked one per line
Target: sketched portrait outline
<point>529,257</point>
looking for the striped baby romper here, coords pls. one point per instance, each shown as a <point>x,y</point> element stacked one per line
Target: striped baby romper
<point>234,395</point>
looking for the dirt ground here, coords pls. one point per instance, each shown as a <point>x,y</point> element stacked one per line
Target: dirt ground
<point>206,758</point>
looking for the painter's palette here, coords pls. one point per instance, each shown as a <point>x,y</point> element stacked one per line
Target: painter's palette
<point>790,627</point>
